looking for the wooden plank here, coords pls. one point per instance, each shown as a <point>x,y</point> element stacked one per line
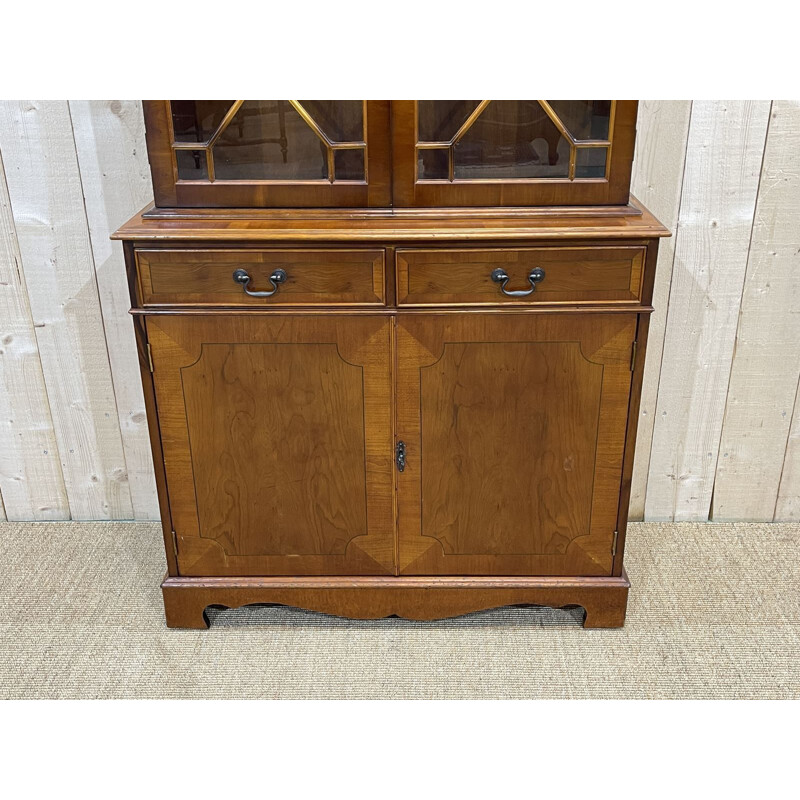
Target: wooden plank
<point>109,139</point>
<point>787,508</point>
<point>766,363</point>
<point>44,185</point>
<point>30,471</point>
<point>663,130</point>
<point>723,165</point>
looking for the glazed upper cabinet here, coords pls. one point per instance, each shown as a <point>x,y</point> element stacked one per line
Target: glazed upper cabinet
<point>512,152</point>
<point>269,153</point>
<point>379,153</point>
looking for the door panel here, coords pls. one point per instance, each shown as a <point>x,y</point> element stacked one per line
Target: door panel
<point>514,428</point>
<point>512,152</point>
<point>277,442</point>
<point>269,153</point>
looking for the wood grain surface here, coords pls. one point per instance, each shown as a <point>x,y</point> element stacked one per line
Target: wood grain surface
<point>604,599</point>
<point>277,442</point>
<point>313,277</point>
<point>115,178</point>
<point>572,275</point>
<point>43,178</point>
<point>515,432</point>
<point>720,188</point>
<point>662,133</point>
<point>413,225</point>
<point>757,475</point>
<point>31,483</point>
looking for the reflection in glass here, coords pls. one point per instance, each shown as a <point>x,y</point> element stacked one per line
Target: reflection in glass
<point>433,165</point>
<point>512,139</point>
<point>440,120</point>
<point>349,165</point>
<point>269,140</point>
<point>584,119</point>
<point>196,120</point>
<point>590,162</point>
<point>279,140</point>
<point>192,165</point>
<point>339,120</point>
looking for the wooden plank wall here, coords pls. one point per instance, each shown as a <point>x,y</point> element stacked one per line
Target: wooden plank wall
<point>719,434</point>
<point>92,458</point>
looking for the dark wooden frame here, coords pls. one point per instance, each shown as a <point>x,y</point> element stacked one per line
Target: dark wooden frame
<point>391,173</point>
<point>407,192</point>
<point>170,192</point>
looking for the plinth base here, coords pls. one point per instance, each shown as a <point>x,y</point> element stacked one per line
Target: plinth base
<point>420,598</point>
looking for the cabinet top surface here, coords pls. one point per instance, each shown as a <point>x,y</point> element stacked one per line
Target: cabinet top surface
<point>303,225</point>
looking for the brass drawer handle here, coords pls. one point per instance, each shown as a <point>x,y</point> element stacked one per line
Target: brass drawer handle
<point>278,277</point>
<point>500,276</point>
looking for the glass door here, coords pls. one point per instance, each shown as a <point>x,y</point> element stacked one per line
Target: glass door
<point>512,152</point>
<point>269,153</point>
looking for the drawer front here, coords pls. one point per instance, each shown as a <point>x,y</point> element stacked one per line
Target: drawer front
<point>310,277</point>
<point>572,275</point>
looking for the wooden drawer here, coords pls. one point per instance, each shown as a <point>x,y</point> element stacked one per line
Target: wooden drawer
<point>312,277</point>
<point>572,275</point>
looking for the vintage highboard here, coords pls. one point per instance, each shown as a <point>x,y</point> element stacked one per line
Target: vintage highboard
<point>392,352</point>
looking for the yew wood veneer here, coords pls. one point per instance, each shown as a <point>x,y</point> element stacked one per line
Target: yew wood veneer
<point>398,410</point>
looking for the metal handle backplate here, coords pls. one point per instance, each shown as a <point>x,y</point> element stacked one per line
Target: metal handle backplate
<point>400,456</point>
<point>242,276</point>
<point>500,276</point>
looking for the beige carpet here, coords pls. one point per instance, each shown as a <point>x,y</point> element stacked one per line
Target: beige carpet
<point>714,613</point>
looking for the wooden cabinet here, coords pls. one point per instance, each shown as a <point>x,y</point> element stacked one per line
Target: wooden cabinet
<point>376,409</point>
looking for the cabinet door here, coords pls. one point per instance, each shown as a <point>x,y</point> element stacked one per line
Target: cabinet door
<point>277,441</point>
<point>512,152</point>
<point>269,153</point>
<point>514,426</point>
